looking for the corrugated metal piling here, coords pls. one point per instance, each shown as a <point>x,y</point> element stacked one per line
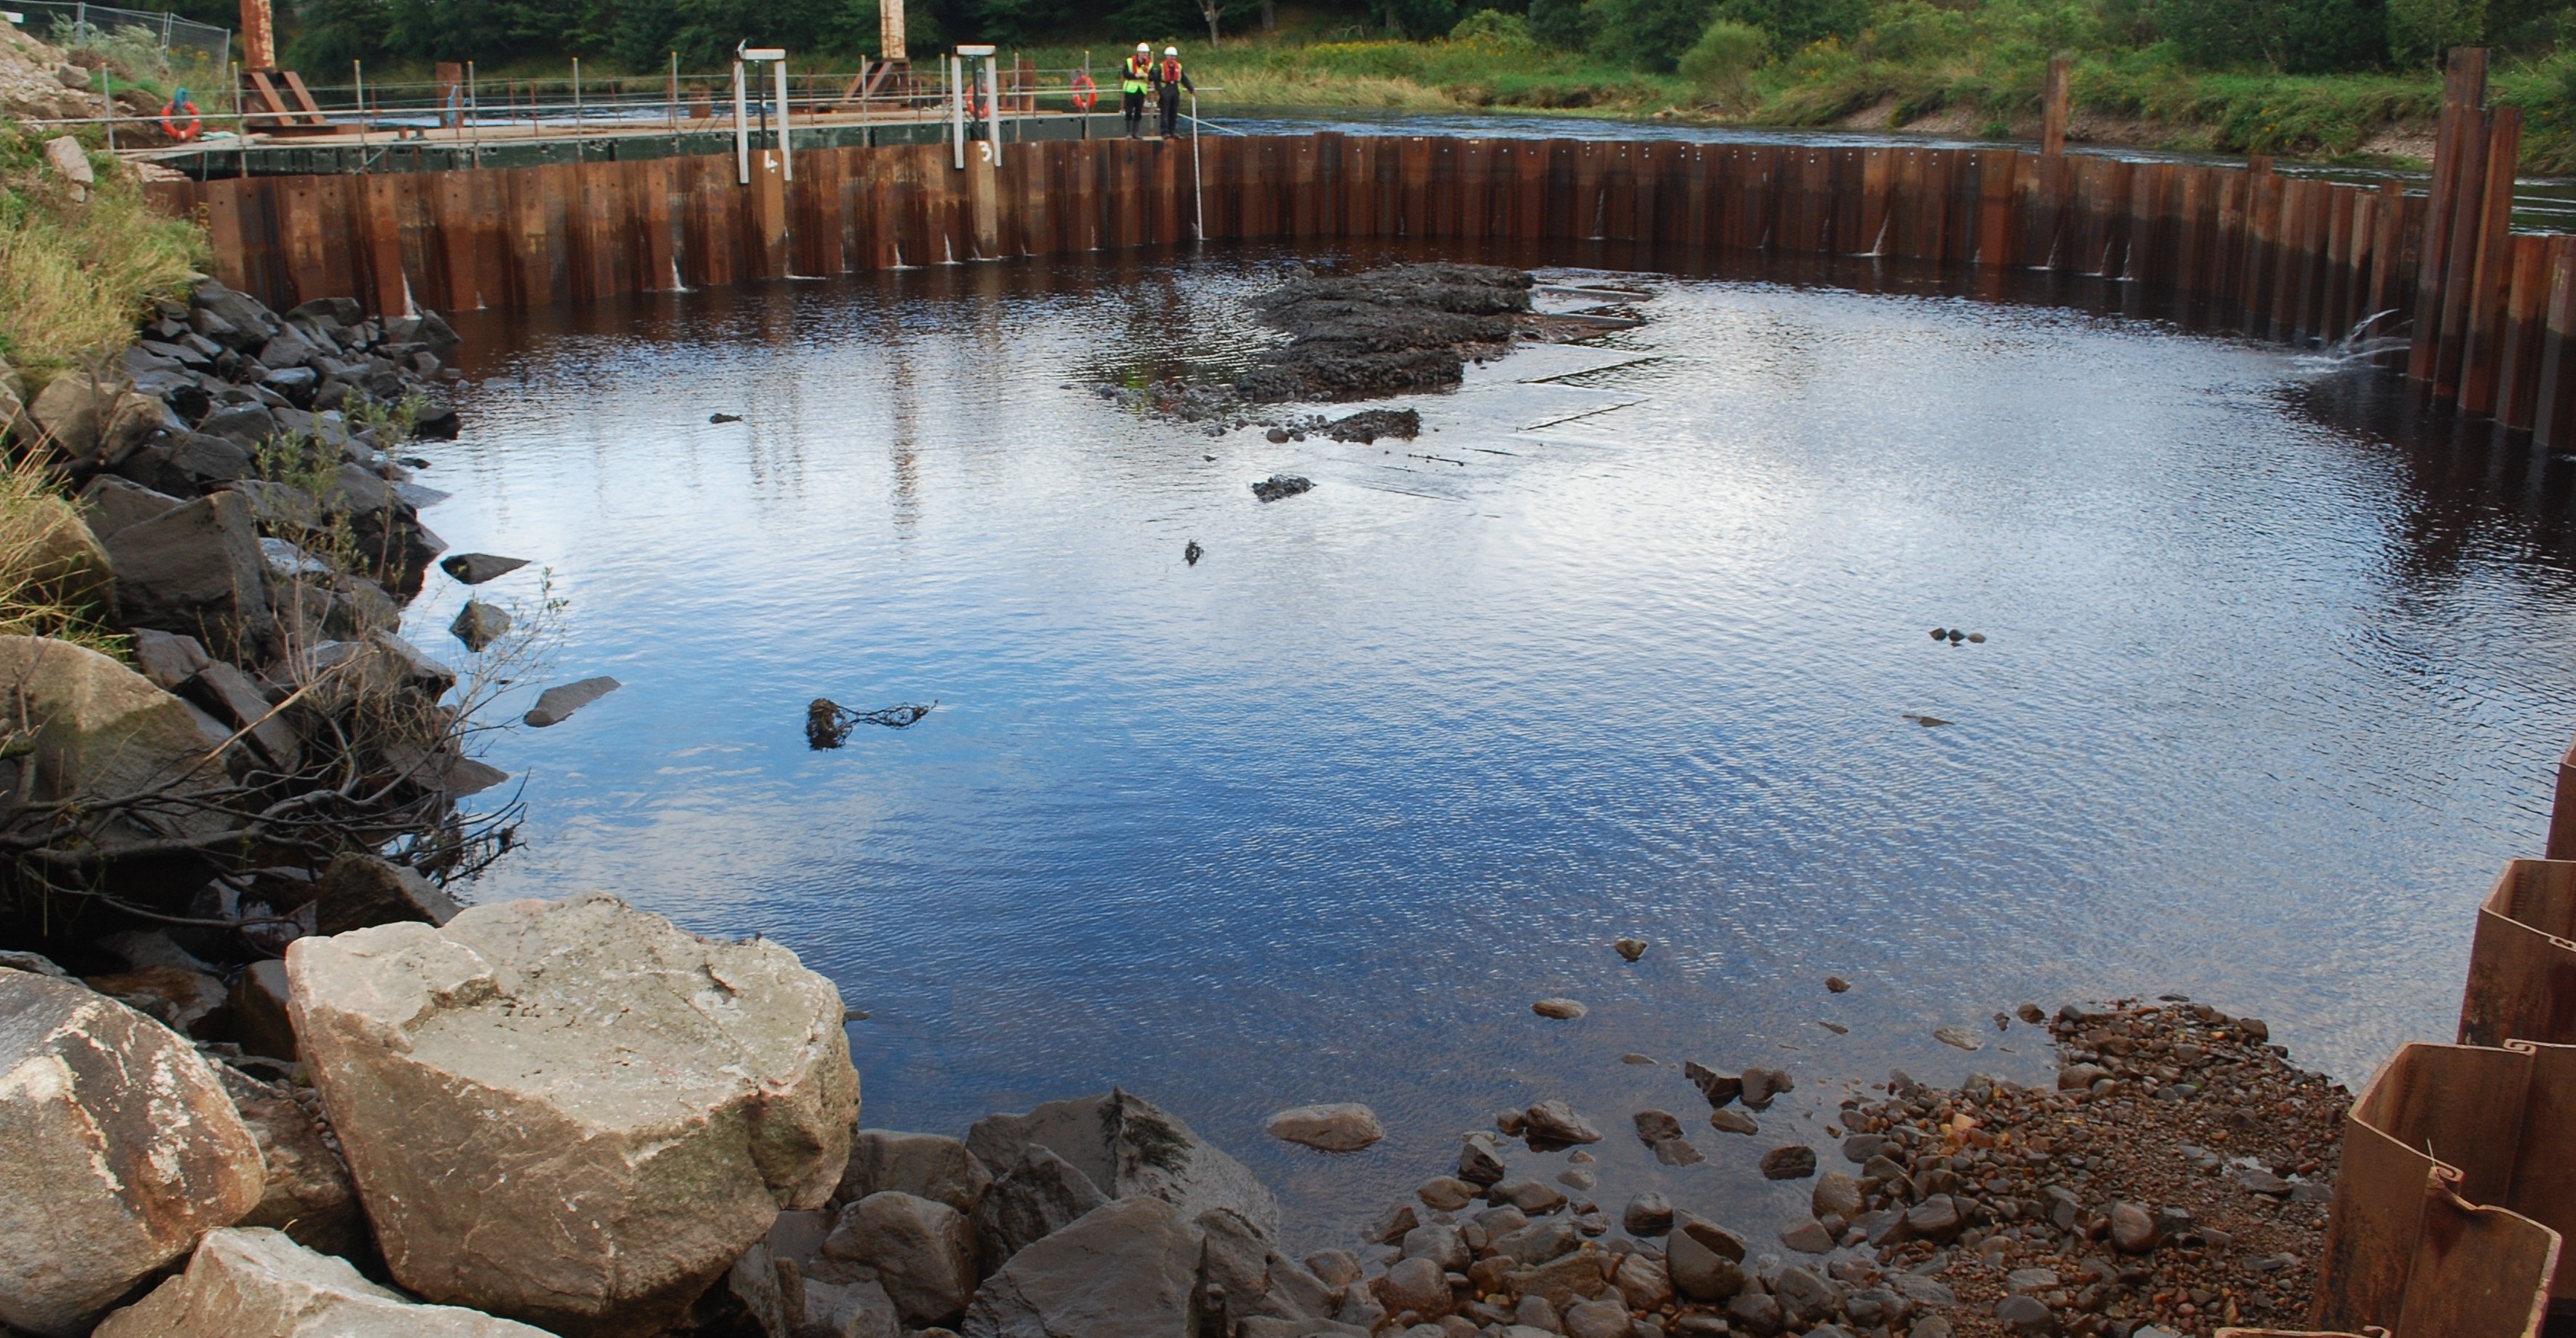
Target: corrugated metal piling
<point>2301,260</point>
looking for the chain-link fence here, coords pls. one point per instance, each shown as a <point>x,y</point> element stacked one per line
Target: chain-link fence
<point>141,40</point>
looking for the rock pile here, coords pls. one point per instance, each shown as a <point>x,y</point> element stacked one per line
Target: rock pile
<point>1405,327</point>
<point>2174,1182</point>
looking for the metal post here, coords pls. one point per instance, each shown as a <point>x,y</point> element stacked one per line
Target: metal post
<point>576,100</point>
<point>1198,198</point>
<point>358,90</point>
<point>741,129</point>
<point>957,105</point>
<point>473,114</point>
<point>786,164</point>
<point>107,95</point>
<point>675,92</point>
<point>993,108</point>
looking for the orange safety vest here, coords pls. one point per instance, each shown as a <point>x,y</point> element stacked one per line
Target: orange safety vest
<point>1171,70</point>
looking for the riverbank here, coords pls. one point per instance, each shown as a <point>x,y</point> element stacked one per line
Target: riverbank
<point>2170,1181</point>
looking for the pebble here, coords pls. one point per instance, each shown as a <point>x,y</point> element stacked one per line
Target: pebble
<point>1977,637</point>
<point>1789,1163</point>
<point>1446,1193</point>
<point>2022,1314</point>
<point>1478,1161</point>
<point>2032,1013</point>
<point>1837,984</point>
<point>1836,1028</point>
<point>1654,1126</point>
<point>1733,1122</point>
<point>1958,1036</point>
<point>1577,1178</point>
<point>1554,1122</point>
<point>2133,1228</point>
<point>1940,633</point>
<point>1859,1148</point>
<point>1678,1152</point>
<point>1808,1237</point>
<point>1563,1010</point>
<point>1760,1085</point>
<point>1632,1057</point>
<point>1719,1088</point>
<point>1648,1214</point>
<point>1342,1126</point>
<point>1631,948</point>
<point>1276,435</point>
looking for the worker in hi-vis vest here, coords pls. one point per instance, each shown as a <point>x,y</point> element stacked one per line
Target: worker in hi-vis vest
<point>1139,77</point>
<point>1169,80</point>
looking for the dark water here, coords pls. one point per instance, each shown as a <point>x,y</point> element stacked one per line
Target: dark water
<point>2274,682</point>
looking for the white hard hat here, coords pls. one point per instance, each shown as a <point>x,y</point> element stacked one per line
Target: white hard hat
<point>1146,47</point>
<point>1171,51</point>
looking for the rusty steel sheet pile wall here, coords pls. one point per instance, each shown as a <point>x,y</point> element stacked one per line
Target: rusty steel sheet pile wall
<point>2457,1187</point>
<point>2286,258</point>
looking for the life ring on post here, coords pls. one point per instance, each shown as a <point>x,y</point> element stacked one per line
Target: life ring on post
<point>1085,93</point>
<point>173,125</point>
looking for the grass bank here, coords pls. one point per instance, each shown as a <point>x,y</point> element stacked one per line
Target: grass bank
<point>1987,88</point>
<point>1971,72</point>
<point>79,264</point>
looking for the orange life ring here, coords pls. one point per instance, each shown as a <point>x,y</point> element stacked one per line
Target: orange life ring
<point>171,125</point>
<point>1085,93</point>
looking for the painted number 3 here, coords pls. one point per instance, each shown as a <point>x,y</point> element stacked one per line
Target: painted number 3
<point>985,147</point>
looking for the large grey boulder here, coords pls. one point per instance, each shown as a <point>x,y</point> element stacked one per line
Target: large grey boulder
<point>1130,1147</point>
<point>922,1251</point>
<point>1126,1270</point>
<point>122,1150</point>
<point>1041,1194</point>
<point>103,730</point>
<point>197,570</point>
<point>111,503</point>
<point>1254,1278</point>
<point>930,1166</point>
<point>573,1112</point>
<point>257,1283</point>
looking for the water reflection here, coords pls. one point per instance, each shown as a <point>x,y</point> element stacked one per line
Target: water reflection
<point>2276,679</point>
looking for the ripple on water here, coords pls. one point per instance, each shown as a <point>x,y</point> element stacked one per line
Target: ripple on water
<point>2272,688</point>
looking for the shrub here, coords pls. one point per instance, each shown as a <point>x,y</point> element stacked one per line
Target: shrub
<point>1493,30</point>
<point>2419,31</point>
<point>1722,61</point>
<point>1795,24</point>
<point>1558,23</point>
<point>1645,34</point>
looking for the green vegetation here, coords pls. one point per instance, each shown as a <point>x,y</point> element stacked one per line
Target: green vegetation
<point>78,266</point>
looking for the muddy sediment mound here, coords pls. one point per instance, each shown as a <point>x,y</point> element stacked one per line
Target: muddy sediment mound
<point>1407,327</point>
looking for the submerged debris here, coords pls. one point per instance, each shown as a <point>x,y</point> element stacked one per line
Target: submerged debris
<point>828,723</point>
<point>1193,553</point>
<point>1369,425</point>
<point>1406,327</point>
<point>1277,486</point>
<point>724,418</point>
